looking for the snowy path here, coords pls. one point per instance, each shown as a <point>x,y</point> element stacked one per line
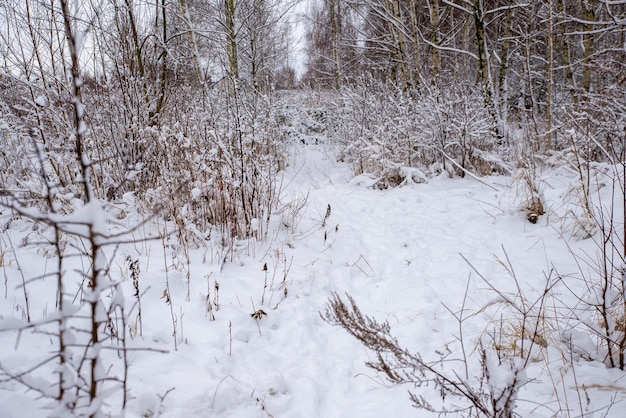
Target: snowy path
<point>397,252</point>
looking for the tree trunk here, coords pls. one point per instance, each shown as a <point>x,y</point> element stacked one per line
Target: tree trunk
<point>589,15</point>
<point>550,77</point>
<point>433,6</point>
<point>335,15</point>
<point>163,67</point>
<point>400,45</point>
<point>569,74</point>
<point>231,39</point>
<point>504,66</point>
<point>416,45</point>
<point>484,73</point>
<point>192,39</point>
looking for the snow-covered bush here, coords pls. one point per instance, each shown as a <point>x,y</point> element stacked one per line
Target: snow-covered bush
<point>35,131</point>
<point>86,322</point>
<point>590,144</point>
<point>383,130</point>
<point>595,129</point>
<point>601,311</point>
<point>591,137</point>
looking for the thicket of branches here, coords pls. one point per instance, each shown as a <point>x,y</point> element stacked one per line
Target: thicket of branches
<point>121,107</point>
<point>526,56</point>
<point>407,137</point>
<point>173,105</point>
<point>543,76</point>
<point>195,139</point>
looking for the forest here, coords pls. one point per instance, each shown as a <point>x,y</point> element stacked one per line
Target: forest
<point>198,197</point>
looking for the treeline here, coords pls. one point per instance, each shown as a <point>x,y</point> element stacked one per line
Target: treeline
<point>528,57</point>
<point>173,84</point>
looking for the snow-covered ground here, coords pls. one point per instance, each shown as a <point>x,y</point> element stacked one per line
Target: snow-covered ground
<point>399,253</point>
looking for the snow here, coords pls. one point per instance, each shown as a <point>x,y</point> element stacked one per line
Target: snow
<point>401,253</point>
<point>41,101</point>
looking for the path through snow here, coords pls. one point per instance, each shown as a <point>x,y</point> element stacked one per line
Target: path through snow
<point>397,252</point>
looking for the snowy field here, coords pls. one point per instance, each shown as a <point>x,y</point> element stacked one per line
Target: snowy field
<point>412,256</point>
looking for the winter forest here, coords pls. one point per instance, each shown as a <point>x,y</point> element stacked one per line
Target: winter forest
<point>321,208</point>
